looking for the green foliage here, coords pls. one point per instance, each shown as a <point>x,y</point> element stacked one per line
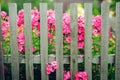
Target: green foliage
<point>4,6</point>
<point>96,45</point>
<point>113,5</point>
<point>96,8</point>
<point>34,3</point>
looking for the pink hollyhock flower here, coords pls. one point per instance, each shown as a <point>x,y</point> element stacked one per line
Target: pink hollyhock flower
<point>66,23</point>
<point>95,31</point>
<point>5,24</point>
<point>50,12</point>
<point>20,18</point>
<point>80,21</point>
<point>81,76</point>
<point>7,18</point>
<point>80,45</point>
<point>80,30</point>
<point>4,31</point>
<point>50,35</point>
<point>66,29</point>
<point>38,33</point>
<point>3,14</point>
<point>54,65</point>
<point>68,39</point>
<point>97,24</point>
<point>66,18</point>
<point>81,37</point>
<point>51,22</point>
<point>21,42</point>
<point>51,67</point>
<point>67,75</point>
<point>35,18</point>
<point>21,14</point>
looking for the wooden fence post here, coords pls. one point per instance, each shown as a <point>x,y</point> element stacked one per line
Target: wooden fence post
<point>59,40</point>
<point>74,40</point>
<point>117,57</point>
<point>1,52</point>
<point>88,39</point>
<point>13,41</point>
<point>44,40</point>
<point>104,41</point>
<point>28,42</point>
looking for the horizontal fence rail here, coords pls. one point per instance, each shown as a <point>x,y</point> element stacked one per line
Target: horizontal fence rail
<point>66,59</point>
<point>42,57</point>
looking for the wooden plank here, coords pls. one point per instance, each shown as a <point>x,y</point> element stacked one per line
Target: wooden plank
<point>13,41</point>
<point>104,41</point>
<point>88,39</point>
<point>74,40</point>
<point>59,40</point>
<point>117,59</point>
<point>28,41</point>
<point>1,53</point>
<point>44,40</point>
<point>66,59</point>
<point>112,23</point>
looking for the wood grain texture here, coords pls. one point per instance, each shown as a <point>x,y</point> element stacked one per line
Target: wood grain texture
<point>1,53</point>
<point>88,39</point>
<point>117,59</point>
<point>104,41</point>
<point>66,59</point>
<point>59,40</point>
<point>28,42</point>
<point>74,40</point>
<point>44,40</point>
<point>13,41</point>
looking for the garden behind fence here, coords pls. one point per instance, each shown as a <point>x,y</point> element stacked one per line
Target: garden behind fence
<point>73,59</point>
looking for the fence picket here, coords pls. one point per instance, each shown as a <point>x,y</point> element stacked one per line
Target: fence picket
<point>74,40</point>
<point>88,39</point>
<point>44,40</point>
<point>1,53</point>
<point>28,42</point>
<point>104,41</point>
<point>117,57</point>
<point>13,41</point>
<point>59,40</point>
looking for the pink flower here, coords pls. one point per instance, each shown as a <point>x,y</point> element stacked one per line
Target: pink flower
<point>54,65</point>
<point>95,31</point>
<point>68,39</point>
<point>20,18</point>
<point>80,30</point>
<point>50,35</point>
<point>96,24</point>
<point>50,12</point>
<point>5,29</point>
<point>66,23</point>
<point>80,45</point>
<point>21,42</point>
<point>81,37</point>
<point>51,67</point>
<point>67,75</point>
<point>3,14</point>
<point>35,18</point>
<point>81,76</point>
